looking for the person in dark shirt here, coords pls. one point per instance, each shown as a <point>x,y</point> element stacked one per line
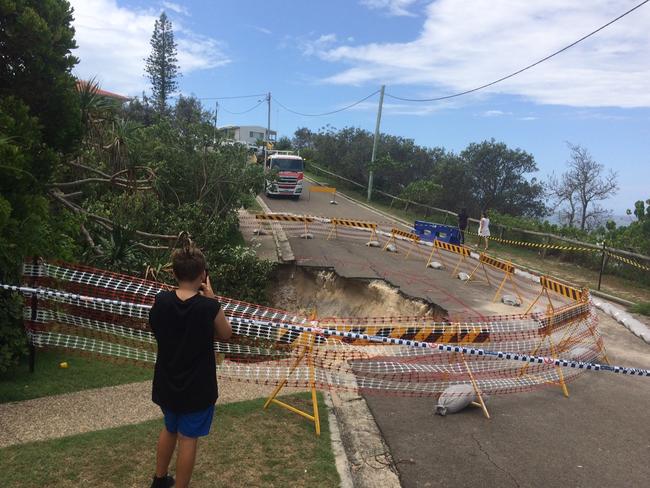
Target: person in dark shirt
<point>462,224</point>
<point>185,323</point>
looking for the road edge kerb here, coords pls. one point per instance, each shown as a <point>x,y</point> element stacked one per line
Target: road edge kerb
<point>340,456</point>
<point>369,459</point>
<point>282,245</point>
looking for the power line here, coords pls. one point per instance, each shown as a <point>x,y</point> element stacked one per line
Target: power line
<point>245,111</point>
<point>237,96</point>
<point>331,112</point>
<point>522,69</point>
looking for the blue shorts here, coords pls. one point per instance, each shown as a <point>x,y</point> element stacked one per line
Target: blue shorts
<point>193,424</point>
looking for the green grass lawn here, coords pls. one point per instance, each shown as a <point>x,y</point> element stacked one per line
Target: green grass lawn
<point>82,374</point>
<point>642,308</point>
<point>247,447</point>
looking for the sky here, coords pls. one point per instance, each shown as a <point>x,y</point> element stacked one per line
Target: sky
<point>320,55</point>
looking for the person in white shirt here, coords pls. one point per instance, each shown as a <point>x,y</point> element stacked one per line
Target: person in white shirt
<point>484,229</point>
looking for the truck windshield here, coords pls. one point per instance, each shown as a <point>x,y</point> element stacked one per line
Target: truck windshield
<point>282,164</point>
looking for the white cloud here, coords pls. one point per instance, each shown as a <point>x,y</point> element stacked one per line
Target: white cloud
<point>263,30</point>
<point>398,8</point>
<point>462,45</point>
<point>114,41</point>
<point>528,118</point>
<point>494,113</point>
<point>174,7</point>
<point>310,47</point>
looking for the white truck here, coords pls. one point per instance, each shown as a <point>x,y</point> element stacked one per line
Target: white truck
<point>290,169</point>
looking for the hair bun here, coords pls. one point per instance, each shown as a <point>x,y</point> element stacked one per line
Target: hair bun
<point>185,242</point>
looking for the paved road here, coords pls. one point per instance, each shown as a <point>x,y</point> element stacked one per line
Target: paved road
<point>351,258</point>
<point>599,437</point>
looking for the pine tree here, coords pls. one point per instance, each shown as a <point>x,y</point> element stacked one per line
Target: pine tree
<point>162,65</point>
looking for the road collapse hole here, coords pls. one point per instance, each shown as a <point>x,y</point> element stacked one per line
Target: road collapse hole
<point>301,290</point>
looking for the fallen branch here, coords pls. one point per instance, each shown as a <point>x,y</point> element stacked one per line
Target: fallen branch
<point>106,223</point>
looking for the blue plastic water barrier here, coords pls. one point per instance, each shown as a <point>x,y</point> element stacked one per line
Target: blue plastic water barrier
<point>428,231</point>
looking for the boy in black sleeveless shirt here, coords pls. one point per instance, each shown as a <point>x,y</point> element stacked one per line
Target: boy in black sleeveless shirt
<point>185,322</point>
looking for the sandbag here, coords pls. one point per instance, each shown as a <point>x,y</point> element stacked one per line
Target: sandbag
<point>391,248</point>
<point>435,265</point>
<point>307,235</point>
<point>511,300</point>
<point>455,398</point>
<point>372,244</point>
<point>463,276</point>
<point>580,353</point>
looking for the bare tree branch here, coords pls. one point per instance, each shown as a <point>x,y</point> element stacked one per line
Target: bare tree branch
<point>582,186</point>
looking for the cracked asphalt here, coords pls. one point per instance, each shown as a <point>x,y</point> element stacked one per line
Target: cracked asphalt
<point>598,437</point>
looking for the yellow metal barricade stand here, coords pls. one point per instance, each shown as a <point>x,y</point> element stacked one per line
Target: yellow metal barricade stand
<point>323,189</point>
<point>355,224</point>
<point>555,286</point>
<point>284,218</point>
<point>394,233</point>
<point>548,331</point>
<point>306,354</point>
<point>477,390</point>
<point>505,266</point>
<point>462,252</point>
<point>580,296</point>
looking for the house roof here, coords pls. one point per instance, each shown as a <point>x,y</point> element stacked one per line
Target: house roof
<point>258,128</point>
<point>104,93</point>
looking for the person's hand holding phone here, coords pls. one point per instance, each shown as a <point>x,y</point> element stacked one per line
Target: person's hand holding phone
<point>206,288</point>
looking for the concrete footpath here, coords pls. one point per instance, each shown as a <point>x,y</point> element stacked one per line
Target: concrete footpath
<point>68,414</point>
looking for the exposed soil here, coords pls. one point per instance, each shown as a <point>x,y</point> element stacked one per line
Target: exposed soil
<point>303,291</point>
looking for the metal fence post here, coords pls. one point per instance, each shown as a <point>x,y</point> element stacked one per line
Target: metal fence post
<point>602,265</point>
<point>547,241</point>
<point>34,316</point>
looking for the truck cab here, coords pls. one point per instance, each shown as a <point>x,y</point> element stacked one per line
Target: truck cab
<point>290,169</point>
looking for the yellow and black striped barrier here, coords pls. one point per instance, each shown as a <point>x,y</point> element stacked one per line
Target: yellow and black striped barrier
<point>629,261</point>
<point>567,291</point>
<point>323,189</point>
<point>455,248</point>
<point>284,218</point>
<point>356,224</point>
<point>539,245</point>
<point>505,266</point>
<point>394,233</point>
<point>447,333</point>
<point>549,284</point>
<point>462,251</point>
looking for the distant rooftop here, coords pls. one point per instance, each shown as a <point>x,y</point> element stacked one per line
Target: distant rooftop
<point>104,93</point>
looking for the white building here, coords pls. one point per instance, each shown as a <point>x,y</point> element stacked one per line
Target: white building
<point>248,134</point>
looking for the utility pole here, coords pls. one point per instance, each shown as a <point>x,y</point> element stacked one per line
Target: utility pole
<point>216,109</point>
<point>376,140</point>
<point>268,118</point>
